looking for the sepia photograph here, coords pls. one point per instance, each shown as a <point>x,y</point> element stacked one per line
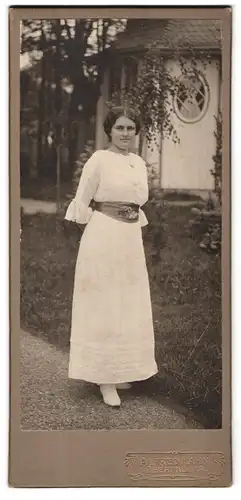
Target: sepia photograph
<point>121,223</point>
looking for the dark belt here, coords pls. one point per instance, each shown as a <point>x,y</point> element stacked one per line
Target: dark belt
<point>125,212</point>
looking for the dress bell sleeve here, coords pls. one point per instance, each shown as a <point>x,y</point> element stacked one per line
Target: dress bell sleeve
<point>142,218</point>
<point>79,210</point>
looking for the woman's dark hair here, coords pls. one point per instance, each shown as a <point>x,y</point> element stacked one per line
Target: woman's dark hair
<point>115,113</point>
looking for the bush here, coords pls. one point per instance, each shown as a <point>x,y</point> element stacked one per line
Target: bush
<point>206,226</point>
<point>155,233</point>
<point>181,196</point>
<point>206,229</point>
<point>217,158</point>
<point>83,158</point>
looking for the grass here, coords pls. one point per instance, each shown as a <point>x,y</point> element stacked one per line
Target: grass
<point>186,296</point>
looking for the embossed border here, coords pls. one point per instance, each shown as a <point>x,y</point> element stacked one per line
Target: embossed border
<point>173,465</point>
<point>97,458</point>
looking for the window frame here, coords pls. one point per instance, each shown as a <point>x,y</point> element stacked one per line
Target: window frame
<point>202,113</point>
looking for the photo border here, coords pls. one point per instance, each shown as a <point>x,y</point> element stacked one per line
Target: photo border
<point>81,458</point>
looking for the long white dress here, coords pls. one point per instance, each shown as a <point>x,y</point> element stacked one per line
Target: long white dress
<point>112,337</point>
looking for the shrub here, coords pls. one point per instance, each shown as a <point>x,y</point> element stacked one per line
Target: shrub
<point>83,158</point>
<point>154,234</point>
<point>88,151</point>
<point>217,158</point>
<point>206,229</point>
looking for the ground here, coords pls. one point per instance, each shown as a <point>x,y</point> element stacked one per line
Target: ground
<point>49,400</point>
<point>186,296</point>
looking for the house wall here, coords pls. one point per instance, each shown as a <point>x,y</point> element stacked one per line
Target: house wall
<point>187,165</point>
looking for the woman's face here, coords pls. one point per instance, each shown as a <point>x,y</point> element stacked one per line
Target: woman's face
<point>123,132</point>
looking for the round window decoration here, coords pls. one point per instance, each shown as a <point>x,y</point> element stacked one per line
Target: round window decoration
<point>192,98</point>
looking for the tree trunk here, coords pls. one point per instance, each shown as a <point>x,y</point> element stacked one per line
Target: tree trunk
<point>58,107</point>
<point>82,134</point>
<point>41,111</point>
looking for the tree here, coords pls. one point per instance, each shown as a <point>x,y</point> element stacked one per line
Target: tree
<point>61,55</point>
<point>152,92</point>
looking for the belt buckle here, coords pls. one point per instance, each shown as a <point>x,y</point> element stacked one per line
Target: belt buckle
<point>128,212</point>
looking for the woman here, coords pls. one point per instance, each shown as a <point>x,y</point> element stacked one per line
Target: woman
<point>112,338</point>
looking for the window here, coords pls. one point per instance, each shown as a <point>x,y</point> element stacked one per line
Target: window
<point>192,98</point>
<point>114,80</point>
<point>131,70</point>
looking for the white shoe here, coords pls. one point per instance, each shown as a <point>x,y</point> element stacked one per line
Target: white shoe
<point>110,395</point>
<point>124,385</point>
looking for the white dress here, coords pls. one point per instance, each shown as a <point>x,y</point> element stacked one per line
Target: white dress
<point>112,338</point>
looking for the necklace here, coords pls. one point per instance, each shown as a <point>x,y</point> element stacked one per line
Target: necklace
<point>126,156</point>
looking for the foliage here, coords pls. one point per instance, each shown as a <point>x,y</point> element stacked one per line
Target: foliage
<point>67,61</point>
<point>217,158</point>
<point>155,86</point>
<point>206,229</point>
<point>151,97</point>
<point>79,164</point>
<point>186,297</point>
<point>60,48</point>
<point>206,226</point>
<point>64,83</point>
<point>83,158</point>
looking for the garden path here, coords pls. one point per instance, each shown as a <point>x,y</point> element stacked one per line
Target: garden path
<point>51,401</point>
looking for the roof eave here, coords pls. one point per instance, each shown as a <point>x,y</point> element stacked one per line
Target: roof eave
<point>166,51</point>
<point>163,51</point>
